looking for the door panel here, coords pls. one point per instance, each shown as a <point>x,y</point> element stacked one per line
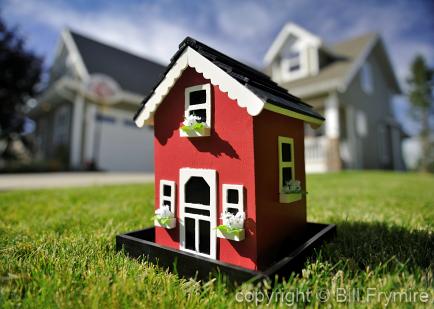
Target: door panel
<point>204,236</point>
<point>190,233</point>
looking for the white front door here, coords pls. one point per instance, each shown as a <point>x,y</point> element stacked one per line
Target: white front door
<point>197,213</point>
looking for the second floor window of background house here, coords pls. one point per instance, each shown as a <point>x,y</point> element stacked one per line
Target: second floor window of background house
<point>292,59</point>
<point>291,63</point>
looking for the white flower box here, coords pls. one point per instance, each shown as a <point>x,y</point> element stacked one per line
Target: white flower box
<point>238,236</point>
<point>170,224</point>
<point>204,131</point>
<point>289,197</point>
<point>192,128</point>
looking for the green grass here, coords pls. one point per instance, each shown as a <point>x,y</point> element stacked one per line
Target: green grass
<point>57,246</point>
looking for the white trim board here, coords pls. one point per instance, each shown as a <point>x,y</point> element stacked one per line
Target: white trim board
<point>75,54</point>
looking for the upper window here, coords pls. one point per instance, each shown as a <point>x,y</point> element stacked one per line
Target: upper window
<point>167,194</point>
<point>292,62</point>
<point>286,161</point>
<point>233,198</point>
<point>197,111</point>
<point>366,78</point>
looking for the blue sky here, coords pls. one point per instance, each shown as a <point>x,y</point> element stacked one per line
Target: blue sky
<point>243,29</point>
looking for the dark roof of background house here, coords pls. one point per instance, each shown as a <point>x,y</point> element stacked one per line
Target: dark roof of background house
<point>256,81</point>
<point>131,72</point>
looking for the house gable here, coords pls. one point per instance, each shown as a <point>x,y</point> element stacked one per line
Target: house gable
<point>251,89</point>
<point>337,64</point>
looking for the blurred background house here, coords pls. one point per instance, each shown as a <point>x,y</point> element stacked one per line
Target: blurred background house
<point>82,94</point>
<point>352,84</point>
<point>84,116</point>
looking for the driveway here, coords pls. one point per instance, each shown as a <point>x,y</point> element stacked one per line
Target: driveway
<point>62,180</point>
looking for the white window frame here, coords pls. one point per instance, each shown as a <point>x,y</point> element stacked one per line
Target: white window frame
<point>170,198</point>
<point>293,60</point>
<point>206,105</point>
<point>287,197</point>
<point>302,59</point>
<point>291,164</point>
<point>240,189</point>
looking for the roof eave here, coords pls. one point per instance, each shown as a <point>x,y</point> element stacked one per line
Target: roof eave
<point>75,54</point>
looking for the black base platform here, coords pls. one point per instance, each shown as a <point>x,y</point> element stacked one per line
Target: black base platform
<point>141,244</point>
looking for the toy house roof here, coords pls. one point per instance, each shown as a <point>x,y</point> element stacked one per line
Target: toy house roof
<point>251,89</point>
<point>132,72</point>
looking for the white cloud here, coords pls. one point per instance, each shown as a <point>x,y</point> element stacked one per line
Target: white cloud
<point>241,29</point>
<point>246,21</point>
<point>142,34</point>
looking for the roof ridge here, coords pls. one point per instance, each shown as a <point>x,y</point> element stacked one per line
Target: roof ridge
<point>189,41</point>
<point>357,37</point>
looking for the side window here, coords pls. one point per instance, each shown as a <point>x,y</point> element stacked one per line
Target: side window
<point>167,194</point>
<point>198,103</point>
<point>366,78</point>
<point>286,161</point>
<point>233,198</point>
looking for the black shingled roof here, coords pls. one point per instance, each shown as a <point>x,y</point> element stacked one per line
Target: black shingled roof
<point>131,72</point>
<point>256,81</point>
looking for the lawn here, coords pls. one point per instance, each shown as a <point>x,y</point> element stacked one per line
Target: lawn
<point>57,248</point>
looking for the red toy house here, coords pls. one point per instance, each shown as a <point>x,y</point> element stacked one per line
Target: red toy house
<point>229,158</point>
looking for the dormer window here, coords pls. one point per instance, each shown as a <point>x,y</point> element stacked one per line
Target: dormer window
<point>292,61</point>
<point>197,115</point>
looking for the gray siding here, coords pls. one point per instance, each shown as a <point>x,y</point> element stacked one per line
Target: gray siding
<point>377,109</point>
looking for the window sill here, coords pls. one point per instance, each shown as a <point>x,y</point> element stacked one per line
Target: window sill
<point>289,197</point>
<point>169,225</point>
<point>195,132</point>
<point>239,236</point>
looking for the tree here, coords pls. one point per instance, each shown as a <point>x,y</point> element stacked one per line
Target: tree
<point>421,99</point>
<point>20,74</point>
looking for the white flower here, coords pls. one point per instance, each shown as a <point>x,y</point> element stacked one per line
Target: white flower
<point>295,186</point>
<point>164,212</point>
<point>233,221</point>
<point>292,186</point>
<point>190,120</point>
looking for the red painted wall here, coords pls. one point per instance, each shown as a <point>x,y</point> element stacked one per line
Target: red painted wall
<point>276,222</point>
<point>229,150</point>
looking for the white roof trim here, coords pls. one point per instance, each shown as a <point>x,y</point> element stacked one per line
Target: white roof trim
<point>75,54</point>
<point>358,64</point>
<point>279,42</point>
<point>191,58</point>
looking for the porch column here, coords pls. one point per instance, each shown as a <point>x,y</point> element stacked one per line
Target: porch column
<point>77,126</point>
<point>353,142</point>
<point>332,132</point>
<point>89,143</point>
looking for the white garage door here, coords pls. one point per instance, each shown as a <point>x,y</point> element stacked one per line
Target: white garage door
<point>123,146</point>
